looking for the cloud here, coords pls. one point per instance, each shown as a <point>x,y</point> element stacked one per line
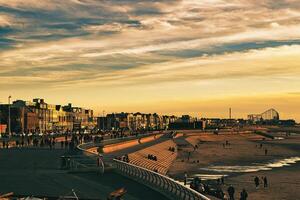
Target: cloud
<point>159,43</point>
<point>269,63</point>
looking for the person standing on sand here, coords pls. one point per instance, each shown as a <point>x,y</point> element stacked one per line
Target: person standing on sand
<point>256,182</point>
<point>265,182</point>
<point>222,180</point>
<point>231,191</point>
<point>244,195</point>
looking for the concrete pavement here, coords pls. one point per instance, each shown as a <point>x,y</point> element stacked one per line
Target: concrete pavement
<point>34,171</point>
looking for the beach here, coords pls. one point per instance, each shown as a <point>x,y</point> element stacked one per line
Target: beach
<point>240,161</point>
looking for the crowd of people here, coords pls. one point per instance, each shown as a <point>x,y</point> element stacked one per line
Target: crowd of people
<point>68,141</point>
<point>214,188</point>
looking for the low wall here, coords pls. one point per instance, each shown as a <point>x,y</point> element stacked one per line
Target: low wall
<point>127,144</point>
<point>150,138</point>
<point>119,146</point>
<point>163,184</point>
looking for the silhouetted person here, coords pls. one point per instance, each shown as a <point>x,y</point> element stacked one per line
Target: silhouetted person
<point>266,151</point>
<point>231,191</point>
<point>265,182</point>
<point>244,195</point>
<point>222,180</point>
<point>185,178</point>
<point>256,182</point>
<point>189,156</point>
<point>53,143</point>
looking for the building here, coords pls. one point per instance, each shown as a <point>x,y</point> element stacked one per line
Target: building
<point>40,117</point>
<point>186,122</point>
<point>134,121</point>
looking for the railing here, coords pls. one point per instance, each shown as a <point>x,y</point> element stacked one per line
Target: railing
<point>163,184</point>
<point>85,146</point>
<point>96,156</point>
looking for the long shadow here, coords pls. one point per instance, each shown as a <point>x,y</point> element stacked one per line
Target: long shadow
<point>36,172</point>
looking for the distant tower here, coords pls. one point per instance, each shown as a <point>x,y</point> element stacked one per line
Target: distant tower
<point>229,113</point>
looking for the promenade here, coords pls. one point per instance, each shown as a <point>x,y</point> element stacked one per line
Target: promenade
<point>36,171</point>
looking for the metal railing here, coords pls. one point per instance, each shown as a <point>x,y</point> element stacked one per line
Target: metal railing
<point>163,184</point>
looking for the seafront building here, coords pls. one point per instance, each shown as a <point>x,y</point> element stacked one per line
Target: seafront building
<point>37,116</point>
<point>133,121</point>
<point>147,121</point>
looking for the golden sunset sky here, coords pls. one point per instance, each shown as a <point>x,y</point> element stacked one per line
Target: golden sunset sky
<point>168,56</point>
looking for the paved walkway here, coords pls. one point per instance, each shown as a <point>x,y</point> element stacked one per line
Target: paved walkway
<point>30,171</point>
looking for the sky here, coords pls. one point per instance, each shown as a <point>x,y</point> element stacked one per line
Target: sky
<point>197,57</point>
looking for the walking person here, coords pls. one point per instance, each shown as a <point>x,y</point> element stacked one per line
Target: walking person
<point>62,144</point>
<point>231,191</point>
<point>244,195</point>
<point>265,182</point>
<point>266,152</point>
<point>256,182</point>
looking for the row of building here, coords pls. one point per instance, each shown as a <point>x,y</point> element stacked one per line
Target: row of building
<point>142,121</point>
<point>37,116</point>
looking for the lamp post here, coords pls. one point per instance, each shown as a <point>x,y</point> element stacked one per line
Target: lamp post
<point>9,128</point>
<point>103,120</point>
<point>0,121</point>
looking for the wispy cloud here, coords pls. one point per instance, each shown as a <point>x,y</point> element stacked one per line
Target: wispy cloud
<point>85,43</point>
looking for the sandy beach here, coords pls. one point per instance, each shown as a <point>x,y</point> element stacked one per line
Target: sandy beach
<point>241,160</point>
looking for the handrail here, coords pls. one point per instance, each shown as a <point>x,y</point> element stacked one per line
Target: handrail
<point>81,148</point>
<point>163,184</point>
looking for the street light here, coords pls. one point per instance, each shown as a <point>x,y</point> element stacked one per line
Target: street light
<point>9,128</point>
<point>103,120</point>
<point>0,121</point>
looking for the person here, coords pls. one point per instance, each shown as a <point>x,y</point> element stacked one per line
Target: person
<point>185,178</point>
<point>244,195</point>
<point>231,191</point>
<point>266,151</point>
<point>256,182</point>
<point>222,180</point>
<point>265,182</point>
<point>219,193</point>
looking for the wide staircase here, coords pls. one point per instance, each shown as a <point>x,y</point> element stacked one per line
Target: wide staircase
<point>164,156</point>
